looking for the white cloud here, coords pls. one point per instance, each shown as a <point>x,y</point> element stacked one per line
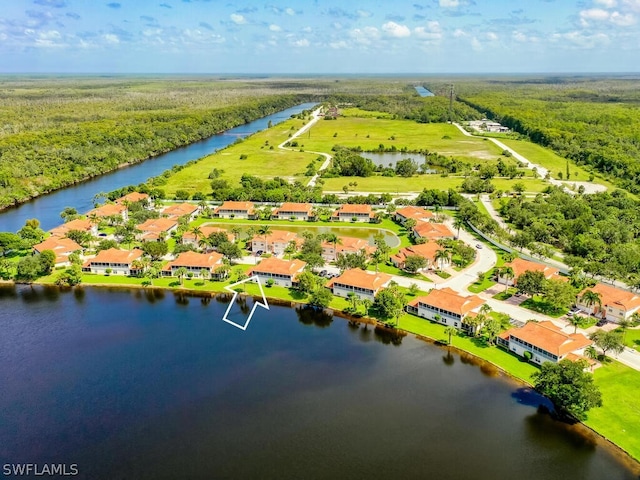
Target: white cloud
<point>597,14</point>
<point>492,37</point>
<point>394,29</point>
<point>522,37</point>
<point>622,20</point>
<point>111,38</point>
<point>365,35</point>
<point>449,3</point>
<point>275,28</point>
<point>632,4</point>
<point>307,29</point>
<point>363,13</point>
<point>580,39</point>
<point>475,44</point>
<point>238,19</point>
<point>606,3</point>
<point>290,11</point>
<point>303,42</point>
<point>431,33</point>
<point>459,33</point>
<point>338,45</point>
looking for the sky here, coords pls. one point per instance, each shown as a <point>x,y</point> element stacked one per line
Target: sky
<point>319,36</point>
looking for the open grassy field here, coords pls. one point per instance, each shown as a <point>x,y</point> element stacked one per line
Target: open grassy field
<point>261,161</point>
<point>417,183</point>
<point>619,418</point>
<point>369,134</point>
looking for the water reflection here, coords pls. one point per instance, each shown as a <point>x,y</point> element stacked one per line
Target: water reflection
<point>181,298</point>
<point>312,316</point>
<point>79,294</point>
<point>448,359</point>
<point>388,336</point>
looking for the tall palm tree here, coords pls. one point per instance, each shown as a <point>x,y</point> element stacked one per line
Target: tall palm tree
<point>378,256</point>
<point>441,256</point>
<point>508,274</point>
<point>591,353</point>
<point>197,232</point>
<point>180,273</point>
<point>236,230</point>
<point>458,223</point>
<point>264,230</point>
<point>575,321</point>
<point>450,331</point>
<point>624,324</point>
<point>333,239</point>
<point>591,298</point>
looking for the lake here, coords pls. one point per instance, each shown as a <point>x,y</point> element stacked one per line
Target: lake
<point>47,208</point>
<point>423,92</point>
<point>145,384</point>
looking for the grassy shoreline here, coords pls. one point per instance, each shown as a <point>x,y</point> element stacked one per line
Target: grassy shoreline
<point>611,425</point>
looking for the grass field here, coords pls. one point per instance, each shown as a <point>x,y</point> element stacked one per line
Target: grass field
<point>417,183</point>
<point>363,132</point>
<point>261,161</point>
<point>619,418</point>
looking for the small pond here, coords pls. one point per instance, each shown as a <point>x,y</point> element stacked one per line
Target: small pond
<point>389,159</point>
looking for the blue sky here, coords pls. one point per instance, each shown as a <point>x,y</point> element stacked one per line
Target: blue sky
<point>321,36</point>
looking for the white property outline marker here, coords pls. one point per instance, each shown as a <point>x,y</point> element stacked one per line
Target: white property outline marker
<point>262,303</point>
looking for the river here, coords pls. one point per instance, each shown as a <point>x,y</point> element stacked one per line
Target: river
<point>47,208</point>
<point>148,384</point>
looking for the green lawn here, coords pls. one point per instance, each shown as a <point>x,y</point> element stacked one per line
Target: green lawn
<point>619,418</point>
<point>478,287</point>
<point>369,133</point>
<point>537,304</point>
<point>261,161</point>
<point>632,338</point>
<point>476,346</point>
<point>504,295</point>
<point>378,183</point>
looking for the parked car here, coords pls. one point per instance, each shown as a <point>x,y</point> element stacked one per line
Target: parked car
<point>479,246</point>
<point>601,323</point>
<point>324,273</point>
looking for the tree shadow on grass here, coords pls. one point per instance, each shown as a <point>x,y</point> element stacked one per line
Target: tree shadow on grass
<point>479,342</point>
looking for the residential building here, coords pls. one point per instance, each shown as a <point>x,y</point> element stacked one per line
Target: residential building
<point>520,265</point>
<point>80,224</point>
<point>353,213</point>
<point>274,242</point>
<point>615,304</point>
<point>194,263</point>
<point>178,210</point>
<point>282,272</point>
<point>362,283</point>
<point>205,230</point>
<point>432,231</point>
<point>418,214</point>
<point>297,211</point>
<point>118,262</point>
<point>62,247</point>
<point>109,210</point>
<point>445,306</point>
<point>155,229</point>
<point>135,197</point>
<point>345,245</point>
<point>425,250</point>
<point>235,210</point>
<point>544,341</point>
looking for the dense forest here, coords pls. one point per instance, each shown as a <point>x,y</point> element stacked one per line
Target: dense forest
<point>593,121</point>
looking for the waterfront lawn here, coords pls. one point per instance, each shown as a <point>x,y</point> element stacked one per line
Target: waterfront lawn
<point>370,133</point>
<point>380,184</point>
<point>474,345</point>
<point>619,418</point>
<point>261,161</point>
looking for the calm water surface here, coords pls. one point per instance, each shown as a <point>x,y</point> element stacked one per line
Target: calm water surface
<point>423,92</point>
<point>47,208</point>
<point>152,385</point>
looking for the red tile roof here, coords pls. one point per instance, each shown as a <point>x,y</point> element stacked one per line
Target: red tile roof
<point>549,337</point>
<point>114,255</point>
<point>294,207</point>
<point>416,213</point>
<point>362,279</point>
<point>157,225</point>
<point>197,260</point>
<point>133,197</point>
<point>77,224</point>
<point>615,297</point>
<point>432,230</point>
<point>520,265</point>
<point>108,209</point>
<point>62,247</point>
<point>235,206</point>
<point>449,300</point>
<point>426,250</point>
<point>180,209</point>
<point>276,236</point>
<point>350,208</point>
<point>208,230</point>
<point>282,267</point>
<point>349,244</point>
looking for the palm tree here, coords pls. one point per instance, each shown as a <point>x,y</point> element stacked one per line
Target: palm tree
<point>451,331</point>
<point>485,309</point>
<point>366,303</point>
<point>591,298</point>
<point>591,353</point>
<point>180,273</point>
<point>353,301</point>
<point>410,223</point>
<point>508,274</point>
<point>264,230</point>
<point>378,256</point>
<point>197,232</point>
<point>575,321</point>
<point>458,223</point>
<point>204,273</point>
<point>624,324</point>
<point>334,239</point>
<point>236,232</point>
<point>441,256</point>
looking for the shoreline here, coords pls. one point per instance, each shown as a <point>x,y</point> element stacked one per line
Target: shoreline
<point>478,361</point>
